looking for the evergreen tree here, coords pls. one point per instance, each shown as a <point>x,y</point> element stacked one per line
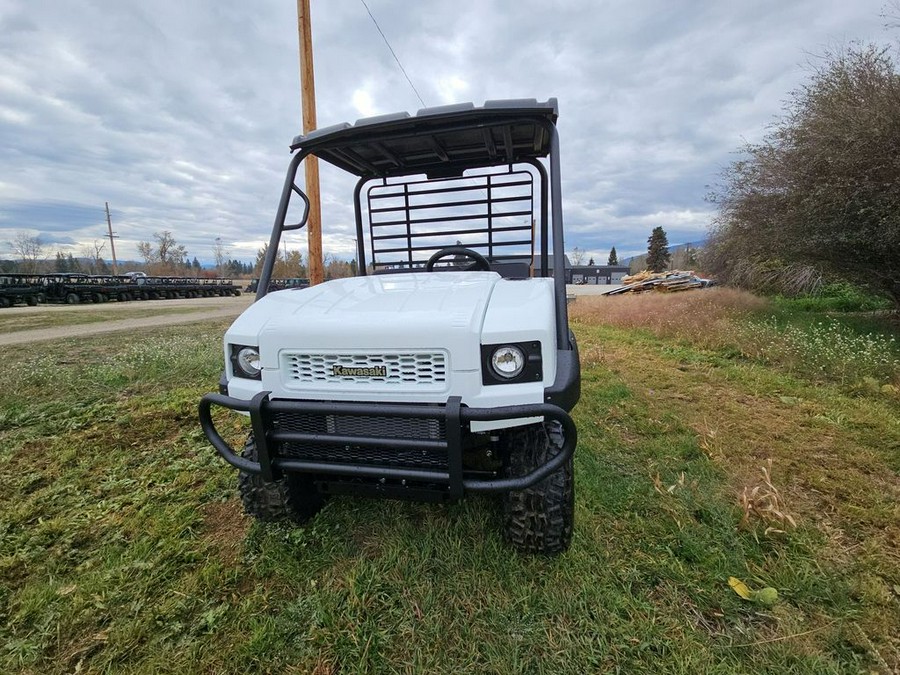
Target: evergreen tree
<point>260,259</point>
<point>591,262</point>
<point>613,257</point>
<point>62,263</point>
<point>658,255</point>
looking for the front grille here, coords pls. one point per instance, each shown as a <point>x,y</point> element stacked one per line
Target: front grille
<point>372,426</point>
<point>389,368</point>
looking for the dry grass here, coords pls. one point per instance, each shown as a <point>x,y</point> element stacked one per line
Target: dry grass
<point>854,353</point>
<point>704,317</point>
<point>763,502</point>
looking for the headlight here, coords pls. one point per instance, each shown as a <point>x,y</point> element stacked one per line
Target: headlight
<point>508,361</point>
<point>511,363</point>
<point>246,362</point>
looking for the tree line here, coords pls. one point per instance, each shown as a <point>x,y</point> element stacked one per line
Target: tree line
<point>162,255</point>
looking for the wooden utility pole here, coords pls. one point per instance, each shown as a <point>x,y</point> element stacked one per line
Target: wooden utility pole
<point>308,97</point>
<point>112,240</point>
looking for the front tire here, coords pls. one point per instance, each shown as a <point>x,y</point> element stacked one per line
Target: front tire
<point>539,519</point>
<point>292,497</point>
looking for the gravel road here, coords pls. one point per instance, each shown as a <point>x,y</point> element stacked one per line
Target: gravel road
<point>207,308</point>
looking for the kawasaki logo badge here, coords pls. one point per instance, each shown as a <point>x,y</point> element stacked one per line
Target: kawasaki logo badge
<point>342,371</point>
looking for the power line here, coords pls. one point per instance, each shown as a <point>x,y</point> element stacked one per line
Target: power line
<point>402,69</point>
<point>393,53</point>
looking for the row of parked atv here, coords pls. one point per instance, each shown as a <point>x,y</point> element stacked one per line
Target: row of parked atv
<point>73,289</point>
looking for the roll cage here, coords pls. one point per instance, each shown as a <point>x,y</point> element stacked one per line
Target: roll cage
<point>483,177</point>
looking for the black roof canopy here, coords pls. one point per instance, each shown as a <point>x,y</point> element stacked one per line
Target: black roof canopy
<point>440,141</point>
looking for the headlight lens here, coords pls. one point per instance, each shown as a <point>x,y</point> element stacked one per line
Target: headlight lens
<point>508,361</point>
<point>248,361</point>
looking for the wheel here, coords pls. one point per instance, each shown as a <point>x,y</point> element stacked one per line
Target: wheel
<point>4,302</point>
<point>293,497</point>
<point>236,292</point>
<point>73,299</point>
<point>479,262</point>
<point>31,300</point>
<point>539,519</point>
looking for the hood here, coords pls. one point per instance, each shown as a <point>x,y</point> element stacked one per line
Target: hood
<point>392,311</point>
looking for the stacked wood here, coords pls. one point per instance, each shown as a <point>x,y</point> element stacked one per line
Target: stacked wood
<point>665,282</point>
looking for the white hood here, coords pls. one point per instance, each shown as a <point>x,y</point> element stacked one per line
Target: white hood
<point>394,311</point>
<point>426,328</point>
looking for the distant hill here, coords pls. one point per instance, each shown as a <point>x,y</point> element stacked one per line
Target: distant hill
<point>683,257</point>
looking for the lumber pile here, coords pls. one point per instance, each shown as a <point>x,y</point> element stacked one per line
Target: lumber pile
<point>665,282</point>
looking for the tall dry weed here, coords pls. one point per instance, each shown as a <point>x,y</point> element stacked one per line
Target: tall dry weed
<point>763,502</point>
<point>703,317</point>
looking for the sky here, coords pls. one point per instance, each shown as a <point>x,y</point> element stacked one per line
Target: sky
<point>180,114</point>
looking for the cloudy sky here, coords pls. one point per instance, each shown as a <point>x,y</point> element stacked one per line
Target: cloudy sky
<point>179,114</point>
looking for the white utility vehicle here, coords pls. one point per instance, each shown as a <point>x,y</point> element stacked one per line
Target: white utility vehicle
<point>447,366</point>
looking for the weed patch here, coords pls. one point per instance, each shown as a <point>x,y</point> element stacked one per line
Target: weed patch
<point>863,353</point>
<point>826,349</point>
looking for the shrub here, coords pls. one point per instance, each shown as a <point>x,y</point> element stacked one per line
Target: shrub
<point>840,296</point>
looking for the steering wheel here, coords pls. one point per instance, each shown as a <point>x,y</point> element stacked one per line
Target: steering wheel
<point>479,262</point>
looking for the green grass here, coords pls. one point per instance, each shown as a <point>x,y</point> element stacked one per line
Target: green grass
<point>836,297</point>
<point>122,546</point>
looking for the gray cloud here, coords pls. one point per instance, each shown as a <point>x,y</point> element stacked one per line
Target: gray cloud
<point>180,117</point>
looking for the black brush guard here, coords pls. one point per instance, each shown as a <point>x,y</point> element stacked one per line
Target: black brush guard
<point>453,416</point>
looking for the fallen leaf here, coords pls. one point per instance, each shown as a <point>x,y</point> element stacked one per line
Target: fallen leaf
<point>740,588</point>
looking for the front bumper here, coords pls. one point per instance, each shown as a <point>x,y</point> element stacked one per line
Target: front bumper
<point>452,417</point>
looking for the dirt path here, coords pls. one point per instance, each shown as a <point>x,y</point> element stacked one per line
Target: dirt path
<point>207,308</point>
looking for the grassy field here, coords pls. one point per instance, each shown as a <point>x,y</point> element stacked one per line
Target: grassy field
<point>123,549</point>
<point>57,317</point>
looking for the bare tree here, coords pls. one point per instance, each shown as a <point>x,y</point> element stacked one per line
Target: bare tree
<point>163,256</point>
<point>220,255</point>
<point>94,254</point>
<point>30,251</point>
<point>891,14</point>
<point>288,265</point>
<point>578,256</point>
<point>335,268</point>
